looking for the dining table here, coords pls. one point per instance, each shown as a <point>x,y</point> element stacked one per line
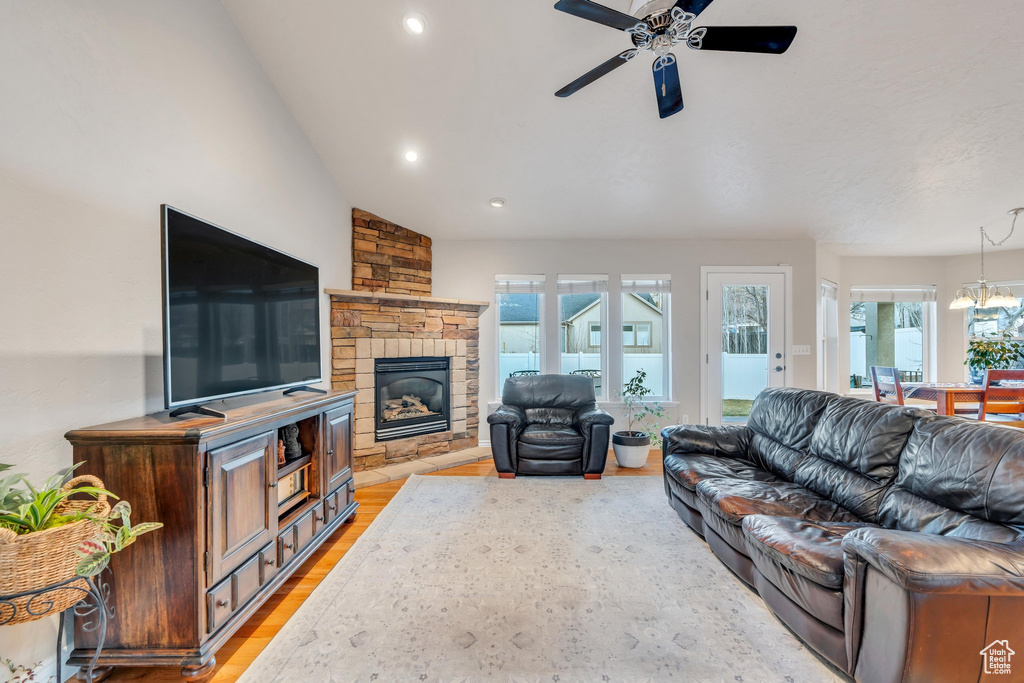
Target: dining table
<point>947,395</point>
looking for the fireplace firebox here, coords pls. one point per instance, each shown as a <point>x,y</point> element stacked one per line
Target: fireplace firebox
<point>411,397</point>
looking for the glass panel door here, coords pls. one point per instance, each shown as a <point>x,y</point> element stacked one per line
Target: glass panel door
<point>745,339</point>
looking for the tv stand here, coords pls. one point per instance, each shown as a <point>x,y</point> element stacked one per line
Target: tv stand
<point>198,410</point>
<point>230,540</point>
<point>295,390</point>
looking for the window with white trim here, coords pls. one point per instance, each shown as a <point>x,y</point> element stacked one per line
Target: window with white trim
<point>892,327</point>
<point>520,303</point>
<point>645,331</point>
<point>582,307</point>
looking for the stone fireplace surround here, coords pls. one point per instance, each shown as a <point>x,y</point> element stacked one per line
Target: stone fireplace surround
<point>367,325</point>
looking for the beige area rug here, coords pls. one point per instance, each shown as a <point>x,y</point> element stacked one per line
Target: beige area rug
<point>536,579</point>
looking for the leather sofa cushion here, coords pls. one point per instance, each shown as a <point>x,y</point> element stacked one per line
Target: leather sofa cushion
<point>788,415</point>
<point>854,453</point>
<point>550,416</point>
<point>734,499</point>
<point>690,470</point>
<point>969,467</point>
<point>546,435</point>
<point>813,550</point>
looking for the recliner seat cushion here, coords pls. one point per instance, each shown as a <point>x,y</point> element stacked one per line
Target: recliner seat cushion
<point>814,550</point>
<point>690,470</point>
<point>734,499</point>
<point>547,435</point>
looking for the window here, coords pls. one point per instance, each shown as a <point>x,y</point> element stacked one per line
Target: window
<point>645,331</point>
<point>520,324</point>
<point>828,337</point>
<point>985,322</point>
<point>582,311</point>
<point>892,327</point>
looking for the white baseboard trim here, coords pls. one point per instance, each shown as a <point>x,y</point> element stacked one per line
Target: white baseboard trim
<point>484,444</point>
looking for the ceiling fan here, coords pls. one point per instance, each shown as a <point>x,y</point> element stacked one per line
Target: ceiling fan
<point>664,25</point>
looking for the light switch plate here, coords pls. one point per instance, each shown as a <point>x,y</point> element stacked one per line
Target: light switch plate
<point>801,350</point>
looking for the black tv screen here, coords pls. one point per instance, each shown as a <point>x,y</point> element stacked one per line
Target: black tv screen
<point>239,317</point>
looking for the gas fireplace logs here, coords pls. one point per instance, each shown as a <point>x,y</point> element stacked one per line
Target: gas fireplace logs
<point>405,408</point>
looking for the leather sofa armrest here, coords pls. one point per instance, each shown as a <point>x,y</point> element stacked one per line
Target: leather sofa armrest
<point>513,416</point>
<point>929,563</point>
<point>724,442</point>
<point>591,415</point>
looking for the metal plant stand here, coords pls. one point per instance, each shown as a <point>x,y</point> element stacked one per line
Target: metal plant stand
<point>93,608</point>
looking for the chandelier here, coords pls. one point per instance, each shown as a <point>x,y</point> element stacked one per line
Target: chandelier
<point>982,295</point>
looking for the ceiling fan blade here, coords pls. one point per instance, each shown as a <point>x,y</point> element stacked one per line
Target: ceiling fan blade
<point>763,39</point>
<point>694,7</point>
<point>666,84</point>
<point>585,9</point>
<point>596,73</point>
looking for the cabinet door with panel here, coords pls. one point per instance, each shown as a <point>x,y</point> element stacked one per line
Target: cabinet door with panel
<point>338,447</point>
<point>243,509</point>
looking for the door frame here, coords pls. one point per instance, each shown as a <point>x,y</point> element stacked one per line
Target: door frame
<point>787,298</point>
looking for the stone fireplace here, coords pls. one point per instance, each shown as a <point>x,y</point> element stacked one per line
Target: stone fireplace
<point>414,358</point>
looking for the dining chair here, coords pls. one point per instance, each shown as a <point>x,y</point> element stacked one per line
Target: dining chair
<point>886,382</point>
<point>1003,404</point>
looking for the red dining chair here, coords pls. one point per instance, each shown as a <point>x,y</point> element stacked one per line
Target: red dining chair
<point>1003,404</point>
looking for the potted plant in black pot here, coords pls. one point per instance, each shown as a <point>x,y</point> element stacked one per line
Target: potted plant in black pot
<point>999,351</point>
<point>633,445</point>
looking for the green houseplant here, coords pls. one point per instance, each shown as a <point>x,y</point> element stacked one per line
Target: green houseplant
<point>632,446</point>
<point>47,537</point>
<point>999,351</point>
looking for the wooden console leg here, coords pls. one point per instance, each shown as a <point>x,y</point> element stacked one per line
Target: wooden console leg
<point>506,475</point>
<point>100,673</point>
<point>198,672</point>
<point>591,476</point>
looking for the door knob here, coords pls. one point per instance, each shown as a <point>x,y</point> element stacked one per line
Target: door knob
<point>779,368</point>
<point>330,452</point>
<point>778,355</point>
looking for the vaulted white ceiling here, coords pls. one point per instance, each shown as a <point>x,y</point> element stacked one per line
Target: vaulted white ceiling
<point>889,127</point>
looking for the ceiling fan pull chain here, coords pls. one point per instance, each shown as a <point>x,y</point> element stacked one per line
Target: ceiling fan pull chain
<point>664,90</point>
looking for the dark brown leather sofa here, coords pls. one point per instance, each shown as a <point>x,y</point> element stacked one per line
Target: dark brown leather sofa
<point>890,539</point>
<point>549,424</point>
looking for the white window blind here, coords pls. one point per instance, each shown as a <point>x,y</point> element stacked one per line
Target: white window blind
<point>519,284</point>
<point>907,293</point>
<point>582,284</point>
<point>644,284</point>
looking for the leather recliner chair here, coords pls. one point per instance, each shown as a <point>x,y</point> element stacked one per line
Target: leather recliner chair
<point>549,424</point>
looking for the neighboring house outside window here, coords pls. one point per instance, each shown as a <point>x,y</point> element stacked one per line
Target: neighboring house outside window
<point>582,306</point>
<point>645,331</point>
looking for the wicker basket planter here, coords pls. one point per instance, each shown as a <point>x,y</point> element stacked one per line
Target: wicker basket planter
<point>33,561</point>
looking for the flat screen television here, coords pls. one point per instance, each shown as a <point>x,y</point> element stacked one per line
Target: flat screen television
<point>239,317</point>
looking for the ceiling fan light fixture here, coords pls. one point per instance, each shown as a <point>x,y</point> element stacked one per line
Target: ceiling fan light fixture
<point>415,23</point>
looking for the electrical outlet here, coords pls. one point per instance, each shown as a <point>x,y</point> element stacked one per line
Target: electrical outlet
<point>684,419</point>
<point>801,350</point>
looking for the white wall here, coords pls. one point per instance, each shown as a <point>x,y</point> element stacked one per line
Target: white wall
<point>107,111</point>
<point>466,269</point>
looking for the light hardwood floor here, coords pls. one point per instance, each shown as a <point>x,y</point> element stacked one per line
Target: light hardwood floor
<point>249,641</point>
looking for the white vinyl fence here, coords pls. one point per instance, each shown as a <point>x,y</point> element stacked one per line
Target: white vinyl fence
<point>909,351</point>
<point>744,375</point>
<point>651,363</point>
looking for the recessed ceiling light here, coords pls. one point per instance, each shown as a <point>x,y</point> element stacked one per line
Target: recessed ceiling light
<point>411,156</point>
<point>497,202</point>
<point>415,23</point>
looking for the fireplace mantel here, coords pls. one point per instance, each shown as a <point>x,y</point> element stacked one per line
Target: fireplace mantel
<point>406,300</point>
